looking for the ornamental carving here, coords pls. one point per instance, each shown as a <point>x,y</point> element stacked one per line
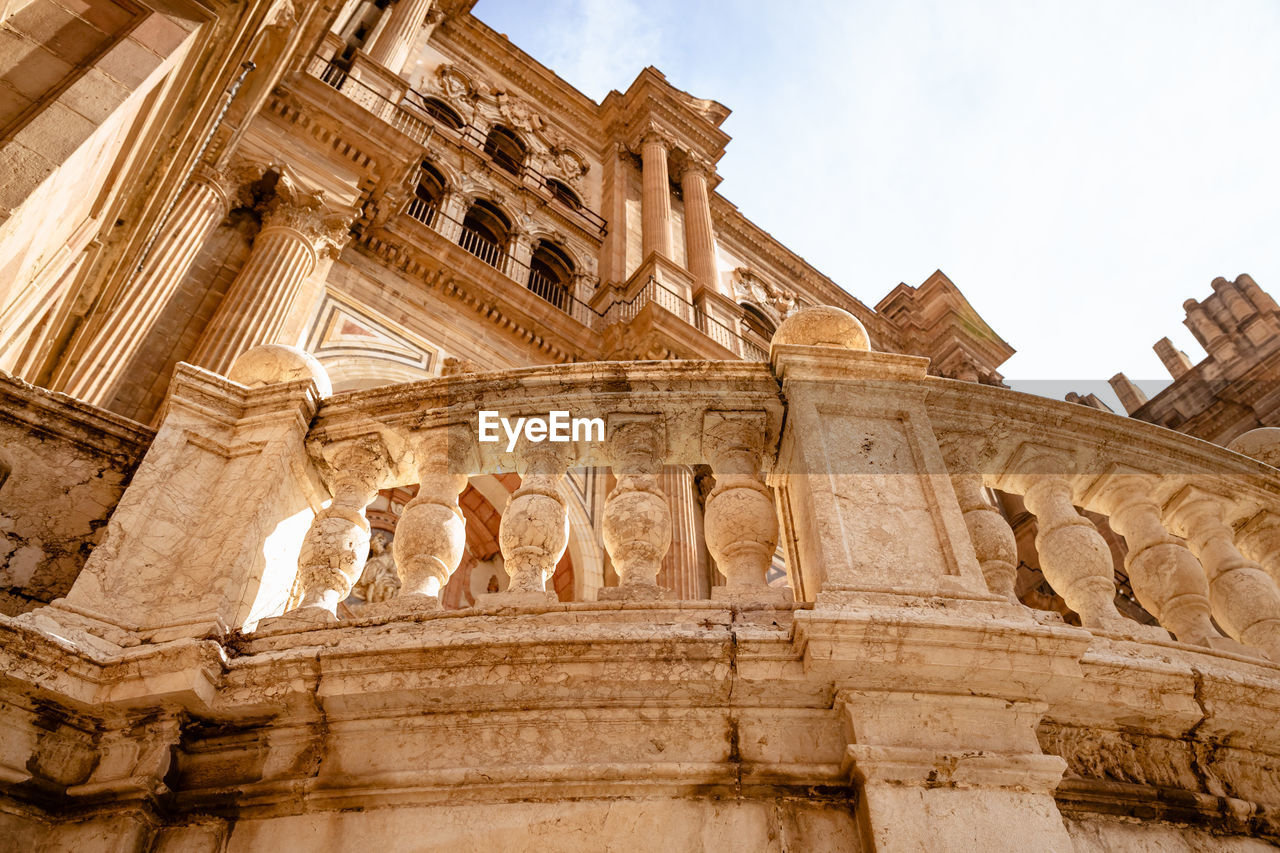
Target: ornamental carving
<point>305,212</point>
<point>778,301</point>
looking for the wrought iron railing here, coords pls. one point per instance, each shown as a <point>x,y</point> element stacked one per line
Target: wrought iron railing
<point>412,119</point>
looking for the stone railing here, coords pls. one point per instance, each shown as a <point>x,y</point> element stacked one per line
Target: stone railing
<point>726,415</point>
<point>879,479</point>
<point>898,671</point>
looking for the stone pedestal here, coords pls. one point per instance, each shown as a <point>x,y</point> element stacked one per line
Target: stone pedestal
<point>206,537</point>
<point>861,475</point>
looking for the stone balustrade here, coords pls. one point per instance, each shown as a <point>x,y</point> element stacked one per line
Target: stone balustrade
<point>899,670</point>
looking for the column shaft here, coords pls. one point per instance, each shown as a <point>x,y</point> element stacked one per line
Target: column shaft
<point>655,199</point>
<point>699,236</point>
<point>391,46</point>
<point>684,570</point>
<point>200,208</point>
<point>258,301</point>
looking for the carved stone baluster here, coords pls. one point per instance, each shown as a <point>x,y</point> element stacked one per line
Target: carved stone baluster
<point>741,524</point>
<point>534,531</point>
<point>1074,557</point>
<point>1244,598</point>
<point>637,519</point>
<point>993,541</point>
<point>337,544</point>
<point>431,533</point>
<point>1167,578</point>
<point>1259,540</point>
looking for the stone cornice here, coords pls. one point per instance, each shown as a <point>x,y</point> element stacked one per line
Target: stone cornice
<point>67,418</point>
<point>468,36</point>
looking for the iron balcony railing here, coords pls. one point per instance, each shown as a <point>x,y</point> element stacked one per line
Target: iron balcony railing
<point>430,215</point>
<point>412,119</point>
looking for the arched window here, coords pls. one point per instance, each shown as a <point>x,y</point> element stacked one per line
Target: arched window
<point>756,324</point>
<point>442,112</point>
<point>485,230</point>
<point>564,194</point>
<point>428,195</point>
<point>551,273</point>
<point>505,148</point>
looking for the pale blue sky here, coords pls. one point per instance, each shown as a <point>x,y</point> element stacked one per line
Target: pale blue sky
<point>1077,168</point>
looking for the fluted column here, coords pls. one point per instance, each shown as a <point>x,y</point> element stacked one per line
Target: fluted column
<point>684,571</point>
<point>699,235</point>
<point>655,198</point>
<point>296,228</point>
<point>391,46</point>
<point>201,206</point>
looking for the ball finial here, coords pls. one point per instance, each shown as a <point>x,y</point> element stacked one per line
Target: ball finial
<point>823,326</point>
<point>272,363</point>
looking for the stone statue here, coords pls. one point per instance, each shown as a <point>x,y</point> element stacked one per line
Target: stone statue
<point>379,581</point>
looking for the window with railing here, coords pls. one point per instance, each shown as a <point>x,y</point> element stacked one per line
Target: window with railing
<point>485,230</point>
<point>551,273</point>
<point>505,148</point>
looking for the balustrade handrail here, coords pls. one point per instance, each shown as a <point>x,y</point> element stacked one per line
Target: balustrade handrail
<point>419,124</point>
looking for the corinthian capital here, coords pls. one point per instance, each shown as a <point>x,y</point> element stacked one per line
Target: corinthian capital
<point>305,212</point>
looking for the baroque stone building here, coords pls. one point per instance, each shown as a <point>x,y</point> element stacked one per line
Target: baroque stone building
<point>263,265</point>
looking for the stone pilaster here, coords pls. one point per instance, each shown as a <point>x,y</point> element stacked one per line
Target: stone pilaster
<point>684,570</point>
<point>296,229</point>
<point>391,45</point>
<point>655,199</point>
<point>200,207</point>
<point>699,235</point>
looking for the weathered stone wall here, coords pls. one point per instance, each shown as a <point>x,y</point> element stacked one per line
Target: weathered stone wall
<point>64,465</point>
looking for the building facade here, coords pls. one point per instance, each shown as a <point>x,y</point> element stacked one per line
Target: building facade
<point>262,267</point>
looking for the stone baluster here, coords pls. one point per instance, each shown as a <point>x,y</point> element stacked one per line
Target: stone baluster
<point>637,520</point>
<point>337,543</point>
<point>1074,557</point>
<point>655,197</point>
<point>200,207</point>
<point>534,531</point>
<point>395,37</point>
<point>1244,598</point>
<point>741,524</point>
<point>296,228</point>
<point>1259,540</point>
<point>1167,578</point>
<point>431,533</point>
<point>699,234</point>
<point>993,541</point>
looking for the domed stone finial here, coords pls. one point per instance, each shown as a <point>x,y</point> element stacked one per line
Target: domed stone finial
<point>1262,444</point>
<point>823,326</point>
<point>272,363</point>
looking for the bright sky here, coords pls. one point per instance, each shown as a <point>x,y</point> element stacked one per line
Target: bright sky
<point>1078,168</point>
